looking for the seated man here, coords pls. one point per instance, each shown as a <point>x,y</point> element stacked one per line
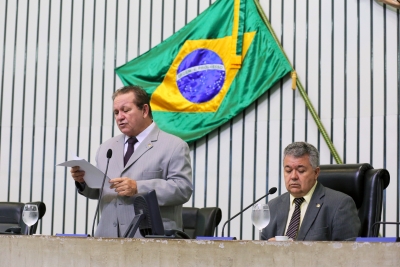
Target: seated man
<point>309,211</point>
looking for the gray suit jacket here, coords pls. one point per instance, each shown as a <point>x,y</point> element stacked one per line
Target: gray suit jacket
<point>160,162</point>
<point>331,215</point>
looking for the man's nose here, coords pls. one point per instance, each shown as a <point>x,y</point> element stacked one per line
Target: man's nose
<point>119,116</point>
<point>293,175</point>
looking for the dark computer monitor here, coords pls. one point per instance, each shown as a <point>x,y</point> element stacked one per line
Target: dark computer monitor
<point>147,216</point>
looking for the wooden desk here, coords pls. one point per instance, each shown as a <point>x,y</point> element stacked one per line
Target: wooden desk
<point>53,251</point>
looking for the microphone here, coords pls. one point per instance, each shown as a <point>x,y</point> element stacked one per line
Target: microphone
<point>270,192</point>
<point>109,154</point>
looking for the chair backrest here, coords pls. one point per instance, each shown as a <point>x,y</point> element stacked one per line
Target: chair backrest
<point>11,216</point>
<point>200,222</point>
<point>364,184</point>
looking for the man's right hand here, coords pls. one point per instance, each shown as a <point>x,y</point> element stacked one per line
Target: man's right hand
<point>77,174</point>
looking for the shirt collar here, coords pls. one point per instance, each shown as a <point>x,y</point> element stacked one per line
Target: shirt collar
<point>140,137</point>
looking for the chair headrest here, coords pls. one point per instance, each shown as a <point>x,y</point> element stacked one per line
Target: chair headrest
<point>346,178</point>
<point>10,212</point>
<point>381,174</point>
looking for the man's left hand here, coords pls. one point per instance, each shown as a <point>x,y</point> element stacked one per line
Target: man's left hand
<point>124,186</point>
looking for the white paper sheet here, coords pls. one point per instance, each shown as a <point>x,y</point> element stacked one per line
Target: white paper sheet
<point>93,176</point>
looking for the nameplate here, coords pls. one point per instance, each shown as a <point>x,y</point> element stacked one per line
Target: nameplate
<point>219,238</point>
<point>377,239</point>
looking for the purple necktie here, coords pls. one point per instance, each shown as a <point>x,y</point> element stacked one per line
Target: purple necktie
<point>131,143</point>
<point>295,220</point>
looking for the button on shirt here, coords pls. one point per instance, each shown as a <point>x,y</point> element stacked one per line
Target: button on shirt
<point>303,207</point>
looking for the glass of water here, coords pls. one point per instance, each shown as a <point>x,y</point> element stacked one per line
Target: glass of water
<point>30,215</point>
<point>260,216</point>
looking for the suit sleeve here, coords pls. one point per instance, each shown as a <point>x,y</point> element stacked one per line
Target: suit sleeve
<point>176,188</point>
<point>266,233</point>
<point>346,223</point>
<point>271,229</point>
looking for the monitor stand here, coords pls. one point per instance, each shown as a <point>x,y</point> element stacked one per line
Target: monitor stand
<point>134,225</point>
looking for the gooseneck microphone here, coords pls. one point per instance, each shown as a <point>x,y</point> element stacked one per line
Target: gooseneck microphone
<point>270,192</point>
<point>109,154</point>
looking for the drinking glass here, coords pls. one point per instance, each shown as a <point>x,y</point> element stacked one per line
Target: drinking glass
<point>260,216</point>
<point>30,215</point>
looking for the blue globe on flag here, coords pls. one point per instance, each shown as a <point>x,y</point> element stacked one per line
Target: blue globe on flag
<point>200,76</point>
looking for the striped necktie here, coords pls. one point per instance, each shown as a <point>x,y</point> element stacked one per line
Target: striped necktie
<point>295,220</point>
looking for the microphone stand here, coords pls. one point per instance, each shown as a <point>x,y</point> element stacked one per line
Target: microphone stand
<point>270,192</point>
<point>109,154</point>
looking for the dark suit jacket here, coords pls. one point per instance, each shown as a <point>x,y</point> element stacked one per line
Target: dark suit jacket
<point>160,162</point>
<point>331,215</point>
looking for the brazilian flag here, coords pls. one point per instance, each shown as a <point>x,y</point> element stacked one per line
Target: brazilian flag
<point>210,70</point>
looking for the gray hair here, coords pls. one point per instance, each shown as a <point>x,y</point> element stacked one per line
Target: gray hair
<point>299,149</point>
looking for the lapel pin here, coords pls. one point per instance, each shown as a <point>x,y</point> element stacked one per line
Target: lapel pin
<point>318,205</point>
<point>149,145</point>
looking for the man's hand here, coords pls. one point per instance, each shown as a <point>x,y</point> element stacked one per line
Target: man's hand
<point>124,186</point>
<point>272,239</point>
<point>77,174</point>
<point>393,3</point>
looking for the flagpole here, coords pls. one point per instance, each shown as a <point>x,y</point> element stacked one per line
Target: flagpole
<point>303,93</point>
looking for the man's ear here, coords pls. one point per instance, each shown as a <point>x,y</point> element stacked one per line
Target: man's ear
<point>145,110</point>
<point>317,170</point>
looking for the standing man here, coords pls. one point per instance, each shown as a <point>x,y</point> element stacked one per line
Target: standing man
<point>309,211</point>
<point>144,158</point>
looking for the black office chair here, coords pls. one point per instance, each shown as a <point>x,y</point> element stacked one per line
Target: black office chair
<point>365,185</point>
<point>200,222</point>
<point>11,218</point>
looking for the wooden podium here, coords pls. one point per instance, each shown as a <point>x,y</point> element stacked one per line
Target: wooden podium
<point>32,251</point>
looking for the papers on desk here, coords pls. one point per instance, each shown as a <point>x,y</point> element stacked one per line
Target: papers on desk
<point>93,176</point>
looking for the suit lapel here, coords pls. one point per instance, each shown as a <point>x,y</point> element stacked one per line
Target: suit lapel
<point>282,214</point>
<point>118,151</point>
<point>315,205</point>
<point>144,146</point>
